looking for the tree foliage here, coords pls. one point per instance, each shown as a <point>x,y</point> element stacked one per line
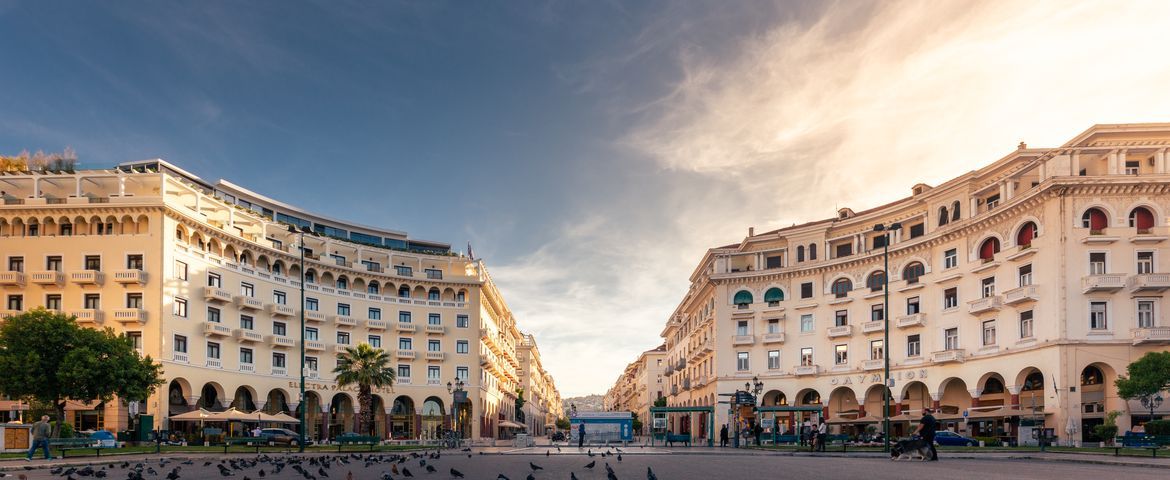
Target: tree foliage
<point>1147,376</point>
<point>660,402</point>
<point>563,423</point>
<point>636,423</point>
<point>48,357</point>
<point>367,367</point>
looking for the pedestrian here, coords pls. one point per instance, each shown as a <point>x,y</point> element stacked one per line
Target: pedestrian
<point>256,432</point>
<point>805,432</point>
<point>723,436</point>
<point>926,429</point>
<point>822,435</point>
<point>757,430</point>
<point>40,438</point>
<point>581,435</point>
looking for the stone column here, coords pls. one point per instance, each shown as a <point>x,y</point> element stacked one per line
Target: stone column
<point>1160,161</point>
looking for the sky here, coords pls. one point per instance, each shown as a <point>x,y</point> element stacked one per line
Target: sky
<point>590,151</point>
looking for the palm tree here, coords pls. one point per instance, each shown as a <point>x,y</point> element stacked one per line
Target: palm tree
<point>366,367</point>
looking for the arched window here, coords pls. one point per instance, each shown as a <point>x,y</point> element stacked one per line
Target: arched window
<point>988,249</point>
<point>955,211</point>
<point>812,251</point>
<point>1141,218</point>
<point>372,288</point>
<point>461,297</point>
<point>1026,234</point>
<point>943,216</point>
<point>1094,219</point>
<point>179,234</point>
<point>876,280</point>
<point>811,398</point>
<point>774,296</point>
<point>743,298</point>
<point>993,386</point>
<point>841,287</point>
<point>311,276</point>
<point>913,271</point>
<point>433,294</point>
<point>404,292</point>
<point>342,283</point>
<point>1092,376</point>
<point>800,253</point>
<point>1035,381</point>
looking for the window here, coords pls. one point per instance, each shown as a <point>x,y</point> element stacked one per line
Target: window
<point>841,287</point>
<point>1026,324</point>
<point>812,251</point>
<point>741,361</point>
<point>955,211</point>
<point>741,327</point>
<point>993,201</point>
<point>1145,262</point>
<point>342,283</point>
<point>278,360</point>
<point>1142,219</point>
<point>461,346</point>
<point>374,341</point>
<point>912,306</point>
<point>247,290</point>
<point>16,302</point>
<point>434,274</point>
<point>53,263</point>
<point>841,354</point>
<point>93,301</point>
<point>373,288</point>
<point>806,290</point>
<point>806,323</point>
<point>66,229</point>
<point>460,297</point>
<point>403,271</point>
<point>311,334</point>
<point>277,267</point>
<point>403,371</point>
<point>943,216</point>
<point>279,298</point>
<point>180,344</point>
<point>987,286</point>
<point>951,258</point>
<point>1098,316</point>
<point>774,296</point>
<point>461,373</point>
<point>343,338</point>
<point>950,298</point>
<point>246,355</point>
<point>93,262</point>
<point>773,359</point>
<point>311,304</point>
<point>375,313</point>
<point>279,328</point>
<point>247,323</point>
<point>913,346</point>
<point>433,346</point>
<point>372,267</point>
<point>806,357</point>
<point>742,299</point>
<point>800,253</point>
<point>773,325</point>
<point>404,317</point>
<point>311,364</point>
<point>133,300</point>
<point>1131,167</point>
<point>15,264</point>
<point>988,249</point>
<point>343,309</point>
<point>1026,234</point>
<point>951,339</point>
<point>433,372</point>
<point>213,314</point>
<point>877,312</point>
<point>310,276</point>
<point>913,272</point>
<point>405,343</point>
<point>879,241</point>
<point>433,295</point>
<point>841,318</point>
<point>1025,275</point>
<point>1145,313</point>
<point>212,350</point>
<point>134,262</point>
<point>213,280</point>
<point>989,333</point>
<point>1095,220</point>
<point>877,349</point>
<point>404,292</point>
<point>1097,263</point>
<point>434,319</point>
<point>876,281</point>
<point>337,259</point>
<point>917,230</point>
<point>843,250</point>
<point>773,262</point>
<point>53,301</point>
<point>461,321</point>
<point>180,309</point>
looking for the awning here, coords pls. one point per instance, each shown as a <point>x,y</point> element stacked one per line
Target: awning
<point>854,421</point>
<point>510,424</point>
<point>1001,412</point>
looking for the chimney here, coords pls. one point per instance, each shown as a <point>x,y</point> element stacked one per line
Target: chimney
<point>751,231</point>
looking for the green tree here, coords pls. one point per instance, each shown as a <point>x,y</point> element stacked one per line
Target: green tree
<point>636,424</point>
<point>660,402</point>
<point>48,357</point>
<point>563,423</point>
<point>366,367</point>
<point>520,401</point>
<point>1147,376</point>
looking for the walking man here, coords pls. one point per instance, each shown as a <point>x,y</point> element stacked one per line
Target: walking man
<point>723,436</point>
<point>822,435</point>
<point>40,438</point>
<point>581,436</point>
<point>926,429</point>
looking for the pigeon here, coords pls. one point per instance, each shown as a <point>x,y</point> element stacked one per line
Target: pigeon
<point>502,477</point>
<point>406,471</point>
<point>619,457</point>
<point>530,477</point>
<point>650,474</point>
<point>546,453</point>
<point>321,472</point>
<point>430,469</point>
<point>534,466</point>
<point>591,464</point>
<point>610,476</point>
<point>572,476</point>
<point>589,452</point>
<point>456,473</point>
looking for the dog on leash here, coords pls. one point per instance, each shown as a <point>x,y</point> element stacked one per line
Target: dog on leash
<point>908,449</point>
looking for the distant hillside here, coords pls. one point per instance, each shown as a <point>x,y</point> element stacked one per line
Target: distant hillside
<point>588,403</point>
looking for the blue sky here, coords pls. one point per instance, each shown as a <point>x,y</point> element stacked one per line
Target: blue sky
<point>591,151</point>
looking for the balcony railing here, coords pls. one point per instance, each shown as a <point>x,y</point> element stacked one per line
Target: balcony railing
<point>743,339</point>
<point>89,315</point>
<point>1102,283</point>
<point>246,335</point>
<point>315,345</point>
<point>213,363</point>
<point>436,329</point>
<point>801,370</point>
<point>216,329</point>
<point>248,368</point>
<point>874,326</point>
<point>341,348</point>
<point>280,371</point>
<point>435,356</point>
<point>777,337</point>
<point>406,327</point>
<point>251,303</point>
<point>312,373</point>
<point>873,364</point>
<point>948,356</point>
<point>402,380</point>
<point>411,354</point>
<point>985,304</point>
<point>314,316</point>
<point>281,341</point>
<point>1148,283</point>
<point>46,277</point>
<point>215,294</point>
<point>130,315</point>
<point>841,331</point>
<point>376,325</point>
<point>344,321</point>
<point>281,310</point>
<point>180,357</point>
<point>1026,293</point>
<point>86,277</point>
<point>130,276</point>
<point>12,278</point>
<point>913,320</point>
<point>1151,335</point>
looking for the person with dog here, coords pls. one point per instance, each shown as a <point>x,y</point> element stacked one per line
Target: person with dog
<point>926,429</point>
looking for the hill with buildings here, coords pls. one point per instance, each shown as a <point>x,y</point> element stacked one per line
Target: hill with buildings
<point>587,403</point>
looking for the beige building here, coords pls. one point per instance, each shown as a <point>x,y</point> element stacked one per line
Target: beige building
<point>206,278</point>
<point>639,386</point>
<point>542,406</point>
<point>1018,293</point>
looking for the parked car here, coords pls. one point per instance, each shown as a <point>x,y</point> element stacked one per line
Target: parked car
<point>282,436</point>
<point>948,438</point>
<point>105,439</point>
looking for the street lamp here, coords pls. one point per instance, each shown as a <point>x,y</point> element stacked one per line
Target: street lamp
<point>455,389</point>
<point>886,229</point>
<point>303,410</point>
<point>1151,402</point>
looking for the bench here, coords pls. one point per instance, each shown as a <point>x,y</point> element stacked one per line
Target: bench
<point>357,440</point>
<point>672,438</point>
<point>247,441</point>
<point>67,444</point>
<point>778,439</point>
<point>839,439</point>
<point>1148,442</point>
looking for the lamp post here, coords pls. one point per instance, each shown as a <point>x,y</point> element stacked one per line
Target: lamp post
<point>1152,402</point>
<point>886,229</point>
<point>303,410</point>
<point>455,388</point>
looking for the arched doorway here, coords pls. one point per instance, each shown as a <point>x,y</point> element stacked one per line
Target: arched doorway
<point>276,402</point>
<point>432,417</point>
<point>209,397</point>
<point>1092,402</point>
<point>341,417</point>
<point>379,408</point>
<point>312,409</point>
<point>843,403</point>
<point>243,400</point>
<point>463,419</point>
<point>402,419</point>
<point>177,392</point>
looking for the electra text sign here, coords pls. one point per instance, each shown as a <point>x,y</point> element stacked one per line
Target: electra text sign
<point>866,378</point>
<point>333,387</point>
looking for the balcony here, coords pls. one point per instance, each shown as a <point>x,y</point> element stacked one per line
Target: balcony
<point>802,370</point>
<point>315,345</point>
<point>47,277</point>
<point>130,315</point>
<point>246,335</point>
<point>1102,283</point>
<point>1027,293</point>
<point>89,316</point>
<point>777,337</point>
<point>674,389</point>
<point>915,320</point>
<point>248,368</point>
<point>985,304</point>
<point>1151,336</point>
<point>281,341</point>
<point>314,374</point>
<point>314,316</point>
<point>280,371</point>
<point>439,329</point>
<point>5,314</point>
<point>214,294</point>
<point>873,364</point>
<point>180,357</point>
<point>213,363</point>
<point>405,354</point>
<point>12,278</point>
<point>402,381</point>
<point>1148,283</point>
<point>435,356</point>
<point>948,356</point>
<point>86,277</point>
<point>216,329</point>
<point>344,321</point>
<point>434,381</point>
<point>873,327</point>
<point>406,327</point>
<point>133,276</point>
<point>277,309</point>
<point>250,303</point>
<point>842,331</point>
<point>743,339</point>
<point>341,348</point>
<point>376,325</point>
